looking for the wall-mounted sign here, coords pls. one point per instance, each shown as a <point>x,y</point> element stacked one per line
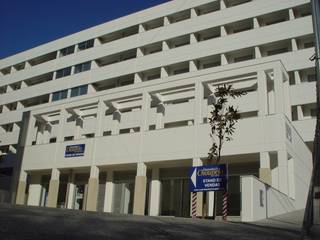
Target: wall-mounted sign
<point>208,178</point>
<point>74,150</point>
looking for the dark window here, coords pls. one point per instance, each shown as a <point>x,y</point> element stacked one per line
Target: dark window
<point>82,67</point>
<point>63,72</point>
<point>68,138</point>
<point>277,51</point>
<point>66,51</point>
<point>85,45</point>
<point>78,91</point>
<point>56,96</point>
<point>53,140</point>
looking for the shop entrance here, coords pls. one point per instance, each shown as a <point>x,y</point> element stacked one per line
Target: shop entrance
<point>80,192</point>
<point>175,195</point>
<point>123,192</point>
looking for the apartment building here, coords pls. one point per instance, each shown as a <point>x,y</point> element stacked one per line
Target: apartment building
<point>111,118</point>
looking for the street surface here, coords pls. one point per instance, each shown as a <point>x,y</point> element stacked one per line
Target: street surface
<point>33,223</point>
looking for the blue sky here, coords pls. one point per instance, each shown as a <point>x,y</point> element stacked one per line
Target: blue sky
<point>29,23</point>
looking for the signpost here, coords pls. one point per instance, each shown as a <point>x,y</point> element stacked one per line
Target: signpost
<point>74,150</point>
<point>208,178</point>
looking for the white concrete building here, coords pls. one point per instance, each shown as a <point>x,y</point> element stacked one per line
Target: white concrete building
<point>135,92</point>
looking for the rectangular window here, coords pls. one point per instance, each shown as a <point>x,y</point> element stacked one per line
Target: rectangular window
<point>78,91</point>
<point>53,140</point>
<point>56,96</point>
<point>82,67</point>
<point>68,138</point>
<point>63,72</point>
<point>85,45</point>
<point>66,51</point>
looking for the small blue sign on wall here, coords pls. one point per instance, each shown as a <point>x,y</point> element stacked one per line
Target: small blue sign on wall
<point>74,150</point>
<point>208,178</point>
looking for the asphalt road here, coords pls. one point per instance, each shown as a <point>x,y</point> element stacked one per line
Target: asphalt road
<point>18,222</point>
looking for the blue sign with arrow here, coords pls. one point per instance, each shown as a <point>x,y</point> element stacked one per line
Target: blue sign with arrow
<point>208,178</point>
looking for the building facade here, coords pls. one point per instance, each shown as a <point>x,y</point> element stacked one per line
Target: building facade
<point>111,118</point>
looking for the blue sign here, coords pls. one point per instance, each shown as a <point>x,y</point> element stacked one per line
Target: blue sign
<point>208,178</point>
<point>74,150</point>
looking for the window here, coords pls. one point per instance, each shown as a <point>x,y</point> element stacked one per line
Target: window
<point>68,138</point>
<point>78,91</point>
<point>82,67</point>
<point>85,45</point>
<point>56,96</point>
<point>53,140</point>
<point>66,51</point>
<point>63,72</point>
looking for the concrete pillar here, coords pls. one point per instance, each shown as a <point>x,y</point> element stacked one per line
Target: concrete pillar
<point>35,190</point>
<point>140,52</point>
<point>160,116</point>
<point>222,5</point>
<point>210,203</point>
<point>71,192</point>
<point>166,21</point>
<point>100,117</point>
<point>198,162</point>
<point>20,199</point>
<point>164,72</point>
<point>193,13</point>
<point>198,103</point>
<point>294,44</point>
<point>257,52</point>
<point>155,193</point>
<point>297,77</point>
<point>137,78</point>
<point>116,122</point>
<point>265,171</point>
<point>224,60</point>
<point>146,102</point>
<point>193,66</point>
<point>256,23</point>
<point>300,112</point>
<point>53,188</point>
<point>291,14</point>
<point>291,184</point>
<point>93,188</point>
<point>283,171</point>
<point>140,189</point>
<point>262,93</point>
<point>165,46</point>
<point>109,192</point>
<point>279,91</point>
<point>193,38</point>
<point>141,28</point>
<point>223,31</point>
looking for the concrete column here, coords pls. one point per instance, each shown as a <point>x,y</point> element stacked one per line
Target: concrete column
<point>53,188</point>
<point>140,52</point>
<point>291,14</point>
<point>93,187</point>
<point>210,203</point>
<point>166,21</point>
<point>100,117</point>
<point>257,52</point>
<point>222,5</point>
<point>35,190</point>
<point>140,189</point>
<point>165,46</point>
<point>198,162</point>
<point>146,101</point>
<point>108,200</point>
<point>300,112</point>
<point>193,13</point>
<point>283,171</point>
<point>286,99</point>
<point>291,184</point>
<point>262,93</point>
<point>256,23</point>
<point>297,77</point>
<point>137,78</point>
<point>71,192</point>
<point>20,198</point>
<point>141,28</point>
<point>160,116</point>
<point>116,122</point>
<point>155,193</point>
<point>279,91</point>
<point>97,42</point>
<point>294,44</point>
<point>224,60</point>
<point>198,103</point>
<point>193,66</point>
<point>223,31</point>
<point>193,38</point>
<point>265,171</point>
<point>164,72</point>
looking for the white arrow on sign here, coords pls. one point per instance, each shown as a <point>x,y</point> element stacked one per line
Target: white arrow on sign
<point>194,177</point>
